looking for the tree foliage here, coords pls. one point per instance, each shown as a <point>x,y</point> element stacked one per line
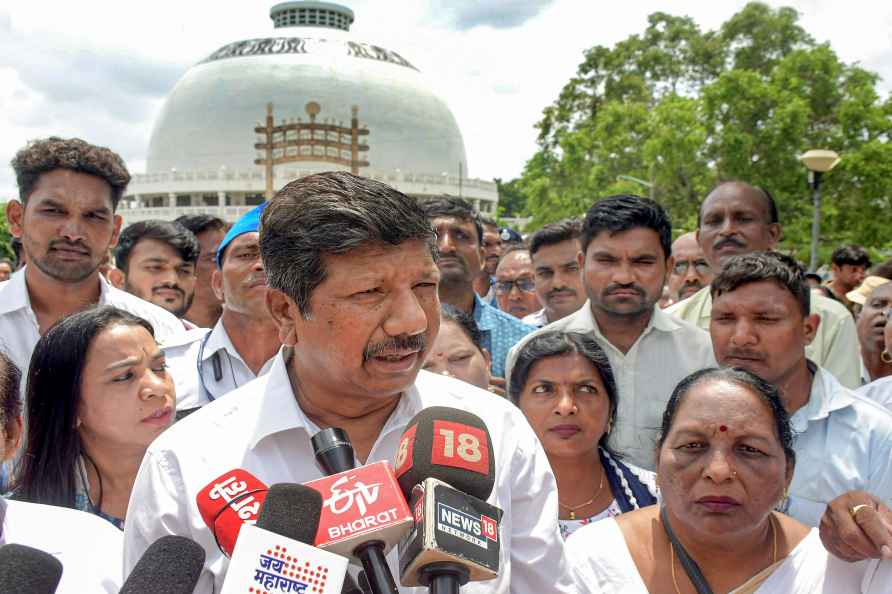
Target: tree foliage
<point>681,109</point>
<point>5,235</point>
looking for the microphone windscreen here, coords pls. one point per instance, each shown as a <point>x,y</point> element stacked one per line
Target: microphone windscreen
<point>26,570</point>
<point>172,564</point>
<point>291,511</point>
<point>450,445</point>
<point>333,450</point>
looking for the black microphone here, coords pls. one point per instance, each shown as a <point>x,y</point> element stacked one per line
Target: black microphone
<point>333,450</point>
<point>26,570</point>
<point>172,565</point>
<point>334,453</point>
<point>446,470</point>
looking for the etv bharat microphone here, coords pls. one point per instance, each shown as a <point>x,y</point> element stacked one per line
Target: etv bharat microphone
<point>446,469</point>
<point>364,514</point>
<point>276,554</point>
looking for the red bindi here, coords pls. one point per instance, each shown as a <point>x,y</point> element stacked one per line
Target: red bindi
<point>723,428</point>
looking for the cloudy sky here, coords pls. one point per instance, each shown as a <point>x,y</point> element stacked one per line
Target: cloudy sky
<point>101,69</point>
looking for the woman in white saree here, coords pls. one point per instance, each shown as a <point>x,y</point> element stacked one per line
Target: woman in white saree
<point>724,461</point>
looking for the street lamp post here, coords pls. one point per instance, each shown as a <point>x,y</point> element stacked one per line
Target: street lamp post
<point>818,162</point>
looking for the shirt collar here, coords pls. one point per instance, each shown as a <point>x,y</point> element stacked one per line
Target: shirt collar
<point>279,411</point>
<point>584,321</point>
<point>14,294</point>
<point>218,339</point>
<point>483,314</point>
<point>827,395</point>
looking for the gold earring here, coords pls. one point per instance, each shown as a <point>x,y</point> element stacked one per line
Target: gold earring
<point>885,356</point>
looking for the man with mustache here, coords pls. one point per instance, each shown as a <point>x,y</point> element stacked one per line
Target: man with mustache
<point>515,287</point>
<point>688,270</point>
<point>65,217</point>
<point>624,257</point>
<point>871,325</point>
<point>354,294</point>
<point>738,218</point>
<point>158,261</point>
<point>459,242</point>
<point>554,250</point>
<point>242,344</point>
<point>762,322</point>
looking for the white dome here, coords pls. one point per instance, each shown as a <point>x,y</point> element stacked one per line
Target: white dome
<point>207,122</point>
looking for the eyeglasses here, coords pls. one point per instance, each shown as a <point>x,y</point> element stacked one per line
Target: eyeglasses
<point>681,267</point>
<point>524,285</point>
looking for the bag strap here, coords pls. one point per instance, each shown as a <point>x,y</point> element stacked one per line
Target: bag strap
<point>689,565</point>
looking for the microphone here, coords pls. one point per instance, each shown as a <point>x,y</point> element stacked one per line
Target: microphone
<point>364,514</point>
<point>229,501</point>
<point>333,450</point>
<point>172,564</point>
<point>26,570</point>
<point>446,469</point>
<point>276,554</point>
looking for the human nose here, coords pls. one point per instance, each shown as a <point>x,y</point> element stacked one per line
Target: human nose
<point>743,333</point>
<point>691,272</point>
<point>565,404</point>
<point>445,243</point>
<point>72,230</point>
<point>622,274</point>
<point>718,467</point>
<point>406,316</point>
<point>154,384</point>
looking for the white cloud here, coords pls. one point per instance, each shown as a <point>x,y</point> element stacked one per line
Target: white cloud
<point>99,70</point>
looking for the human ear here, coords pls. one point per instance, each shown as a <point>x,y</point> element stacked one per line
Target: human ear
<point>285,314</point>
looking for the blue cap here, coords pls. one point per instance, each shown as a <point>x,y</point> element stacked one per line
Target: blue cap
<point>509,234</point>
<point>249,223</point>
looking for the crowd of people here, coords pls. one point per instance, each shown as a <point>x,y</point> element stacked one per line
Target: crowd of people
<point>696,415</point>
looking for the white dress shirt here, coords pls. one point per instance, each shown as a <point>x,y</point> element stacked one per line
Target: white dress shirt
<point>879,391</point>
<point>19,331</point>
<point>260,427</point>
<point>537,319</point>
<point>835,346</point>
<point>666,352</point>
<point>234,372</point>
<point>843,442</point>
<point>88,547</point>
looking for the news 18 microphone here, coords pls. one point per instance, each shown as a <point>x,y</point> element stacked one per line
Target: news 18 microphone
<point>364,514</point>
<point>172,565</point>
<point>445,467</point>
<point>229,501</point>
<point>26,570</point>
<point>277,555</point>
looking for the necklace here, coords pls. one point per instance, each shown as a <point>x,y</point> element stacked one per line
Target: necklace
<point>771,522</point>
<point>572,509</point>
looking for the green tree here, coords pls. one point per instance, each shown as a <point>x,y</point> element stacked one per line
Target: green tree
<point>5,236</point>
<point>681,109</point>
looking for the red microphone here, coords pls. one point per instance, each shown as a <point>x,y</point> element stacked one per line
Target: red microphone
<point>232,499</point>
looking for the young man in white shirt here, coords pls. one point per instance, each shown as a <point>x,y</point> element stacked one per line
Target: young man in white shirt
<point>625,251</point>
<point>762,322</point>
<point>66,221</point>
<point>353,291</point>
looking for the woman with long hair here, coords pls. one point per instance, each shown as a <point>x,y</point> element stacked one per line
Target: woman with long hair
<point>98,393</point>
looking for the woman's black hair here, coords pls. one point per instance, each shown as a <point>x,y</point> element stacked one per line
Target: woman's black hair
<point>463,320</point>
<point>10,401</point>
<point>49,467</point>
<point>767,392</point>
<point>555,344</point>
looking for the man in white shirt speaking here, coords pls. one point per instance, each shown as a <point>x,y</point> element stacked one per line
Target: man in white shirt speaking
<point>351,266</point>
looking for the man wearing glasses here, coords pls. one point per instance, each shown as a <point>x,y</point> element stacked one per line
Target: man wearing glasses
<point>515,286</point>
<point>688,269</point>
